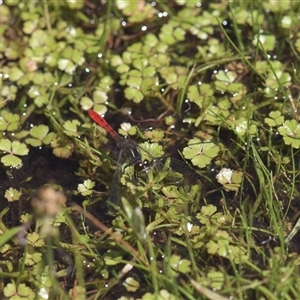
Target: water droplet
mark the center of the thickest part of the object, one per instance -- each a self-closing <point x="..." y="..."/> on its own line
<point x="162" y="14"/>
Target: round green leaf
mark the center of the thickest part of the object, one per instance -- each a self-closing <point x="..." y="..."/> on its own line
<point x="15" y="74"/>
<point x="134" y="94"/>
<point x="33" y="142"/>
<point x="86" y="188"/>
<point x="19" y="148"/>
<point x="200" y="153"/>
<point x="71" y="127"/>
<point x="12" y="194"/>
<point x="131" y="284"/>
<point x="10" y="290"/>
<point x="8" y="120"/>
<point x="86" y="103"/>
<point x="39" y="131"/>
<point x="66" y="65"/>
<point x="11" y="160"/>
<point x="290" y="130"/>
<point x="5" y="145"/>
<point x="99" y="96"/>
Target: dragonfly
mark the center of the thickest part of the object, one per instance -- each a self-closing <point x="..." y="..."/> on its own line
<point x="130" y="153"/>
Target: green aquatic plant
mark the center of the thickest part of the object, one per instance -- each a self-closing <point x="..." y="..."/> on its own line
<point x="86" y="188"/>
<point x="290" y="130"/>
<point x="230" y="179"/>
<point x="18" y="291"/>
<point x="215" y="84"/>
<point x="12" y="194"/>
<point x="14" y="149"/>
<point x="39" y="135"/>
<point x="9" y="121"/>
<point x="200" y="153"/>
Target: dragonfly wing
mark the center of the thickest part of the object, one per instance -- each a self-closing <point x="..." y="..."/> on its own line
<point x="114" y="194"/>
<point x="188" y="173"/>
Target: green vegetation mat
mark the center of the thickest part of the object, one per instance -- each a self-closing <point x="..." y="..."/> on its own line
<point x="197" y="194"/>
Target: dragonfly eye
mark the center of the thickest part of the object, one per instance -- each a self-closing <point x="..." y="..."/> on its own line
<point x="142" y="165"/>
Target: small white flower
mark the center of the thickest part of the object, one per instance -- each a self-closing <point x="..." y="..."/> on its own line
<point x="224" y="176"/>
<point x="126" y="126"/>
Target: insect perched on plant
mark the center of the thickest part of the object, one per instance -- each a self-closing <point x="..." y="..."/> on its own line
<point x="131" y="154"/>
